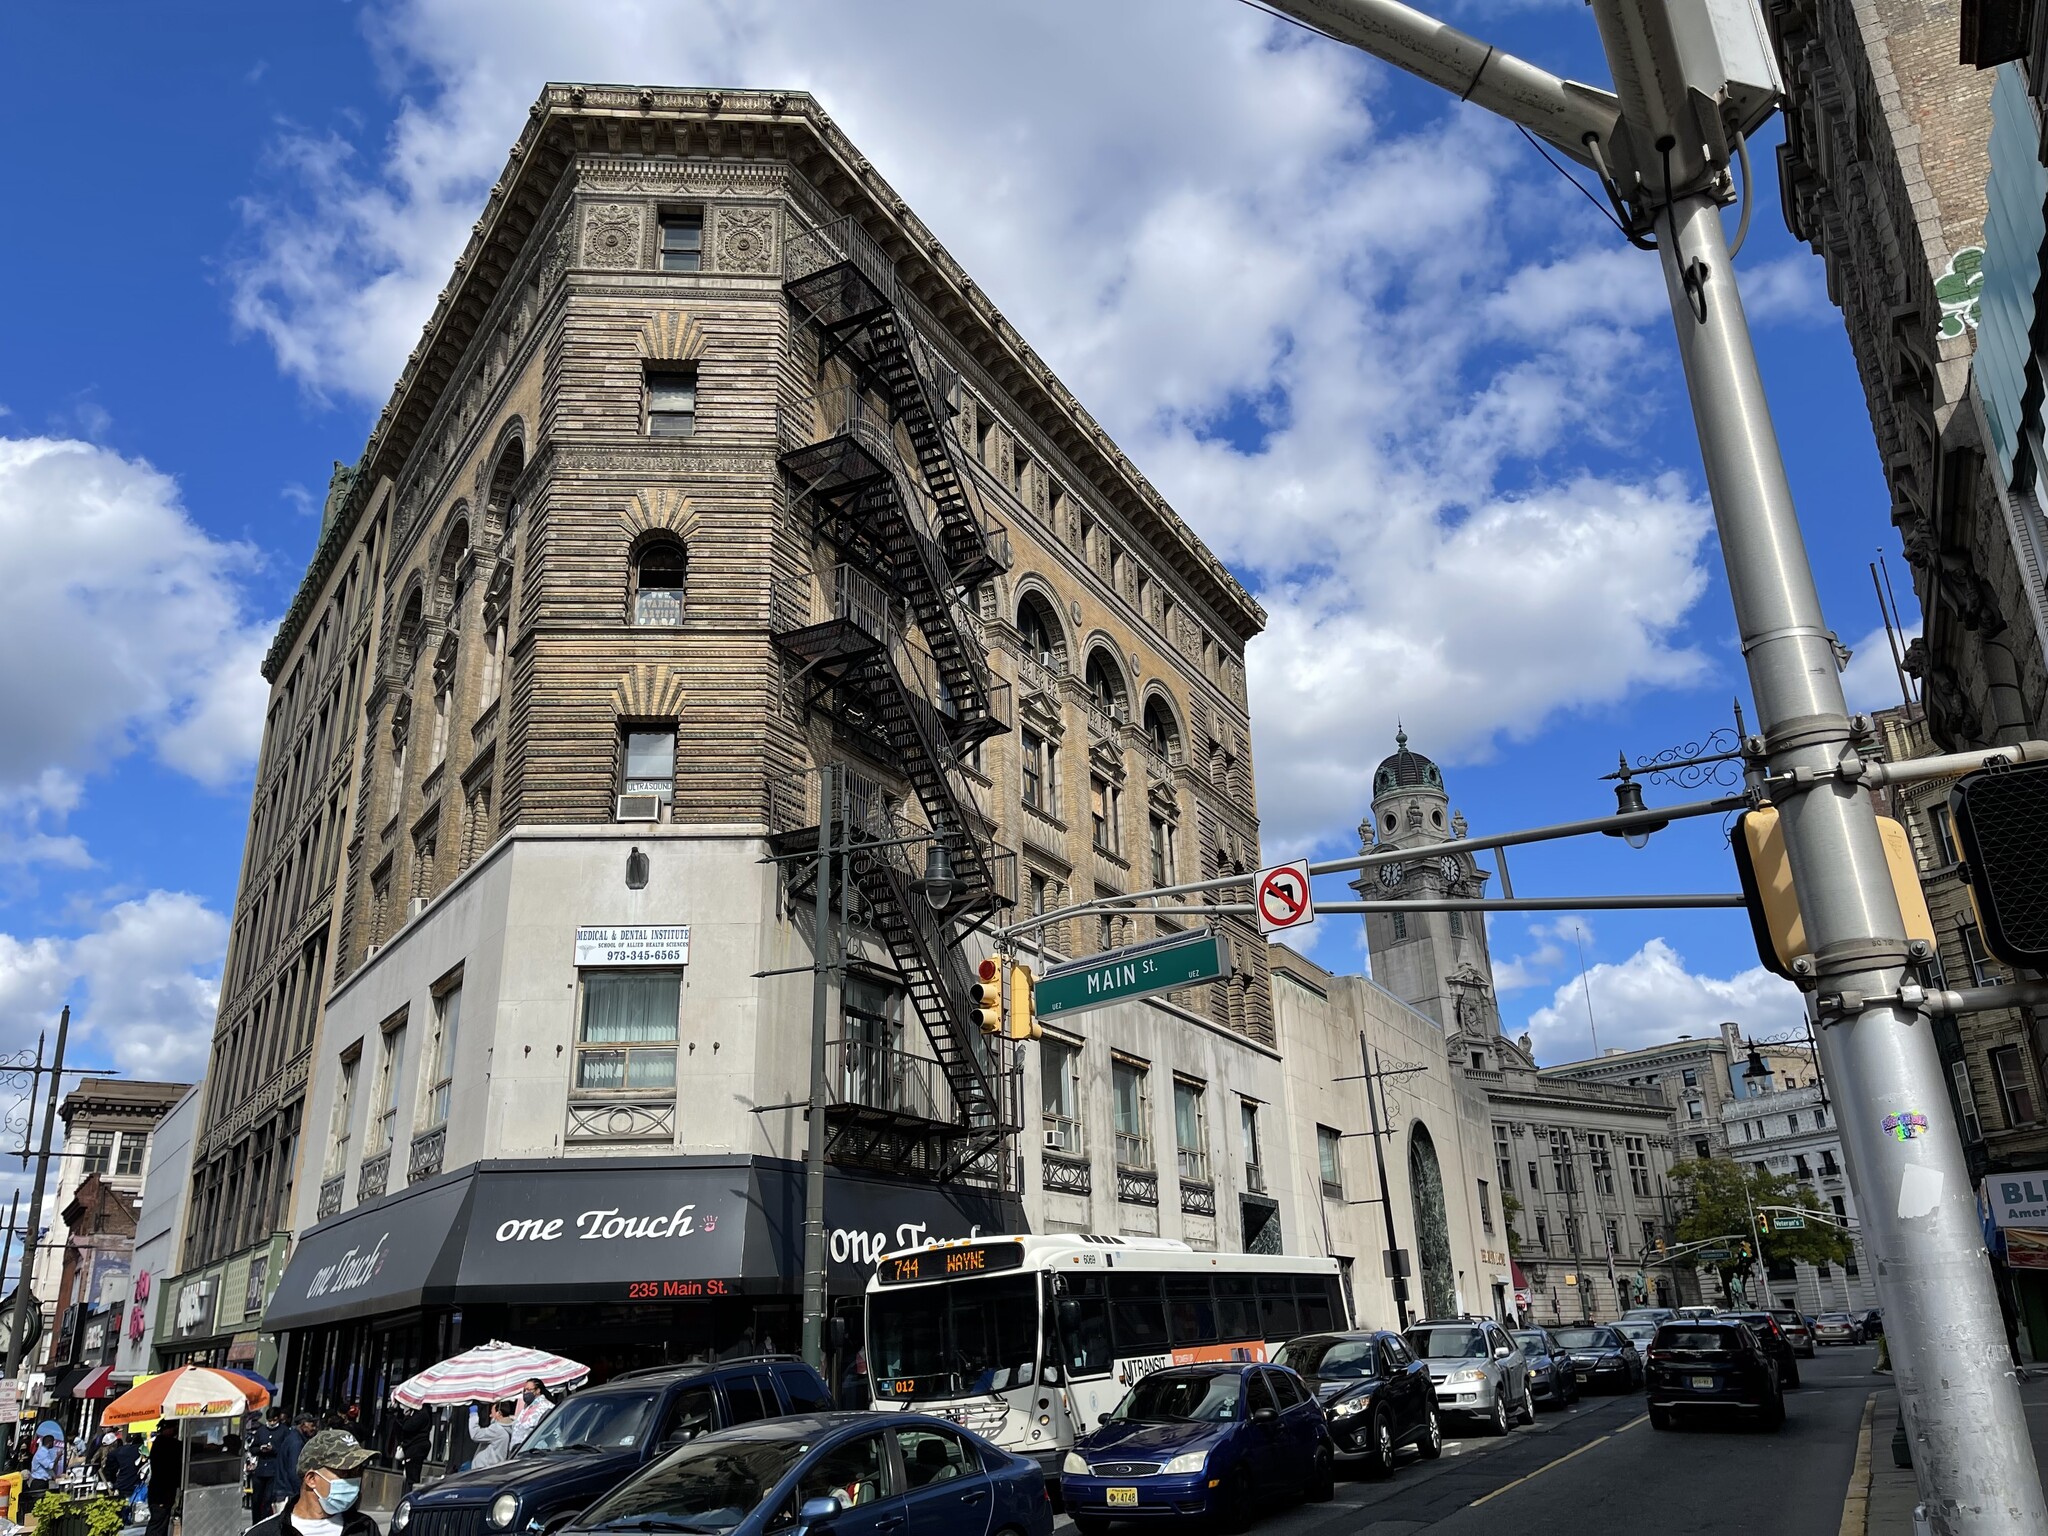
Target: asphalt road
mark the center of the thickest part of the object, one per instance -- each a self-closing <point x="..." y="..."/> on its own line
<point x="1599" y="1467"/>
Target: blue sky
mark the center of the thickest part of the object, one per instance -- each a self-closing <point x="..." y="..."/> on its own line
<point x="1406" y="381"/>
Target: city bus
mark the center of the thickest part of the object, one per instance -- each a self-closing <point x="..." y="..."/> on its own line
<point x="1027" y="1340"/>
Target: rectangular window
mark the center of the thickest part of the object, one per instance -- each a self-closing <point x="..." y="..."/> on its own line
<point x="1694" y="1110"/>
<point x="1128" y="1089"/>
<point x="1485" y="1208"/>
<point x="1543" y="1231"/>
<point x="1571" y="1234"/>
<point x="1613" y="1236"/>
<point x="1059" y="1078"/>
<point x="1254" y="1160"/>
<point x="1801" y="1167"/>
<point x="1649" y="1236"/>
<point x="134" y="1150"/>
<point x="1400" y="925"/>
<point x="385" y="1105"/>
<point x="1981" y="973"/>
<point x="1032" y="754"/>
<point x="1102" y="816"/>
<point x="626" y="1037"/>
<point x="672" y="404"/>
<point x="1602" y="1158"/>
<point x="1503" y="1159"/>
<point x="1792" y="1124"/>
<point x="441" y="1054"/>
<point x="99" y="1152"/>
<point x="1457" y="925"/>
<point x="2015" y="1093"/>
<point x="1691" y="1077"/>
<point x="682" y="241"/>
<point x="650" y="764"/>
<point x="1966" y="1102"/>
<point x="1190" y="1130"/>
<point x="1534" y="1182"/>
<point x="1161" y="842"/>
<point x="1330" y="1160"/>
<point x="342" y="1121"/>
<point x="1941" y="831"/>
<point x="1829" y="1168"/>
<point x="1638" y="1166"/>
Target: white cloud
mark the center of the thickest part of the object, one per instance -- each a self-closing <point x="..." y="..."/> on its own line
<point x="123" y="623"/>
<point x="1185" y="208"/>
<point x="1789" y="290"/>
<point x="1651" y="997"/>
<point x="143" y="985"/>
<point x="1871" y="680"/>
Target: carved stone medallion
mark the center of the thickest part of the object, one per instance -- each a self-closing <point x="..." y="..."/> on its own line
<point x="611" y="235"/>
<point x="746" y="240"/>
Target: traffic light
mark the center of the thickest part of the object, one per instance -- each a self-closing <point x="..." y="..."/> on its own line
<point x="1743" y="1248"/>
<point x="988" y="996"/>
<point x="2001" y="819"/>
<point x="1763" y="1221"/>
<point x="1774" y="918"/>
<point x="1024" y="1023"/>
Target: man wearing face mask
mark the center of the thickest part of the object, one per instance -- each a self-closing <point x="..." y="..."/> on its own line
<point x="328" y="1491"/>
<point x="534" y="1405"/>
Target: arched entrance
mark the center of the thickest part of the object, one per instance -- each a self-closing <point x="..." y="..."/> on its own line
<point x="1432" y="1229"/>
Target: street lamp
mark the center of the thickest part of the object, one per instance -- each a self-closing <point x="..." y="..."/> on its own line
<point x="1628" y="800"/>
<point x="939" y="882"/>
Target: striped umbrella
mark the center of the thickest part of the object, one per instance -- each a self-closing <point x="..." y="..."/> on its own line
<point x="189" y="1392"/>
<point x="487" y="1374"/>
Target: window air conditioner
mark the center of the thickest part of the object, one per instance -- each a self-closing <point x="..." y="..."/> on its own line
<point x="1055" y="1142"/>
<point x="415" y="907"/>
<point x="639" y="808"/>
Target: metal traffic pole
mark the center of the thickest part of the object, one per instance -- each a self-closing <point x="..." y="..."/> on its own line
<point x="1691" y="77"/>
<point x="1379" y="1157"/>
<point x="35" y="1201"/>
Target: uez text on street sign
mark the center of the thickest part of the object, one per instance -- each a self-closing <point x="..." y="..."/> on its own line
<point x="1283" y="897"/>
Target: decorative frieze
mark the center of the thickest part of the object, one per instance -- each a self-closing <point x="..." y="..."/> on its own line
<point x="613" y="235"/>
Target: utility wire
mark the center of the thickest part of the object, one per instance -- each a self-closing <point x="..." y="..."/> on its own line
<point x="1292" y="21"/>
<point x="1599" y="207"/>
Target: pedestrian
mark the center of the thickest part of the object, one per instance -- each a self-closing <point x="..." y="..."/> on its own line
<point x="494" y="1439"/>
<point x="326" y="1501"/>
<point x="263" y="1452"/>
<point x="413" y="1434"/>
<point x="534" y="1405"/>
<point x="166" y="1478"/>
<point x="43" y="1468"/>
<point x="124" y="1465"/>
<point x="288" y="1445"/>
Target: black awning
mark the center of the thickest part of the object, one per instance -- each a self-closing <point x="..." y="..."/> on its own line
<point x="383" y="1257"/>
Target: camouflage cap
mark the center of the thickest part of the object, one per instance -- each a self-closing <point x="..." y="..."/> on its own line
<point x="332" y="1450"/>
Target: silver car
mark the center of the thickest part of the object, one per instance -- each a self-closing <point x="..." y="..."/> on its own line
<point x="1477" y="1369"/>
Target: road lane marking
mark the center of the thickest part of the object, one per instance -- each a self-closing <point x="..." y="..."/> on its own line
<point x="1856" y="1501"/>
<point x="1567" y="1456"/>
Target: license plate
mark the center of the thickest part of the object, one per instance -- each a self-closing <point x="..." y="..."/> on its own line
<point x="1703" y="1383"/>
<point x="1123" y="1498"/>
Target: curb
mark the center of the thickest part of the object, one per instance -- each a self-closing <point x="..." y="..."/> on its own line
<point x="1856" y="1501"/>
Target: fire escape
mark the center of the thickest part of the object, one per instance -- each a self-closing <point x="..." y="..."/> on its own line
<point x="910" y="548"/>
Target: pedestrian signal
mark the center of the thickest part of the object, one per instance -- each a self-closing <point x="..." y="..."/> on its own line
<point x="988" y="996"/>
<point x="2001" y="819"/>
<point x="1024" y="1023"/>
<point x="1775" y="920"/>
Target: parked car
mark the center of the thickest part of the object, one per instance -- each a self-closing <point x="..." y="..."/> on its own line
<point x="1712" y="1365"/>
<point x="1798" y="1330"/>
<point x="1639" y="1332"/>
<point x="1649" y="1314"/>
<point x="1837" y="1328"/>
<point x="1551" y="1372"/>
<point x="1477" y="1370"/>
<point x="1774" y="1342"/>
<point x="595" y="1440"/>
<point x="1376" y="1395"/>
<point x="854" y="1474"/>
<point x="1213" y="1441"/>
<point x="1873" y="1323"/>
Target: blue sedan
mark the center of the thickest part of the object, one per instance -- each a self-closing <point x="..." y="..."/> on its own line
<point x="852" y="1474"/>
<point x="1202" y="1442"/>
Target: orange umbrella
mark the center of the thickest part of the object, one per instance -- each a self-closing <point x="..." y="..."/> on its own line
<point x="189" y="1392"/>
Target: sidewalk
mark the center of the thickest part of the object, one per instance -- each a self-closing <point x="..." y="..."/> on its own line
<point x="1893" y="1491"/>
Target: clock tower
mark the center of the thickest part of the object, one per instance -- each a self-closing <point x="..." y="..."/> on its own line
<point x="1436" y="962"/>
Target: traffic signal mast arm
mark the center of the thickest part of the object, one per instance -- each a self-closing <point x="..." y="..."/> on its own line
<point x="1684" y="1250"/>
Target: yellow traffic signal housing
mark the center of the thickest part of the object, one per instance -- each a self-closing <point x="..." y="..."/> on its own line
<point x="1774" y="917"/>
<point x="987" y="993"/>
<point x="1024" y="1023"/>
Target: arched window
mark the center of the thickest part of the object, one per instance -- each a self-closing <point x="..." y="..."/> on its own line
<point x="504" y="475"/>
<point x="658" y="573"/>
<point x="1040" y="630"/>
<point x="1105" y="680"/>
<point x="1162" y="729"/>
<point x="405" y="647"/>
<point x="451" y="575"/>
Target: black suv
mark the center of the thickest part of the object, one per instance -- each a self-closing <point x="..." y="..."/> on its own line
<point x="595" y="1439"/>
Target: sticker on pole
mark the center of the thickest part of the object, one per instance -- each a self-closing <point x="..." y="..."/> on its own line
<point x="1283" y="897"/>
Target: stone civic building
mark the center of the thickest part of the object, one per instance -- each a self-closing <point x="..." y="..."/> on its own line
<point x="1585" y="1163"/>
<point x="712" y="470"/>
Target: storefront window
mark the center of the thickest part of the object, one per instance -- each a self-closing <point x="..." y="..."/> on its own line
<point x="627" y="1036"/>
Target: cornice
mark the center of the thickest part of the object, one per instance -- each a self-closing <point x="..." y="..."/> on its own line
<point x="570" y="122"/>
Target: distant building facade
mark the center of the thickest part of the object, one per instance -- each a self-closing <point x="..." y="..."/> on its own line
<point x="159" y="1216"/>
<point x="1698" y="1079"/>
<point x="1794" y="1131"/>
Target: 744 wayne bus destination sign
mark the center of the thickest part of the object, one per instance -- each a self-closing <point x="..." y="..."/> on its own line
<point x="1116" y="976"/>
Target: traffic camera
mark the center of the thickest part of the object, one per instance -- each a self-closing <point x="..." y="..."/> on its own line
<point x="987" y="993"/>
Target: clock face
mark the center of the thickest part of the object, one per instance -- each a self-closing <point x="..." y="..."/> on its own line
<point x="1447" y="867"/>
<point x="1390" y="875"/>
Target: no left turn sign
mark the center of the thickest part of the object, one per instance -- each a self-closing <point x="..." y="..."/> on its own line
<point x="1283" y="897"/>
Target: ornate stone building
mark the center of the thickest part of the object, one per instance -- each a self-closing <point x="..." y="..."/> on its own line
<point x="1584" y="1163"/>
<point x="713" y="469"/>
<point x="1883" y="171"/>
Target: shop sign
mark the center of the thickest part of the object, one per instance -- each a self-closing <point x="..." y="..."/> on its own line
<point x="10" y="1401"/>
<point x="351" y="1272"/>
<point x="195" y="1306"/>
<point x="1494" y="1257"/>
<point x="633" y="946"/>
<point x="2018" y="1199"/>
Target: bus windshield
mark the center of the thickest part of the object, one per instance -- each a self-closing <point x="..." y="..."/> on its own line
<point x="961" y="1336"/>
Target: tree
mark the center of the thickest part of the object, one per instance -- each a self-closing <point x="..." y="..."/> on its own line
<point x="1510" y="1208"/>
<point x="1721" y="1197"/>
